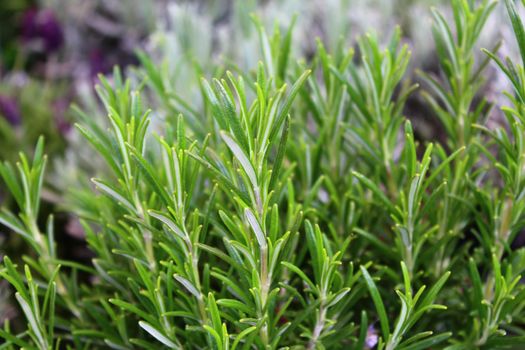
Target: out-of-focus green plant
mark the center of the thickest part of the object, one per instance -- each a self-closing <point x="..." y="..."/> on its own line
<point x="27" y="113"/>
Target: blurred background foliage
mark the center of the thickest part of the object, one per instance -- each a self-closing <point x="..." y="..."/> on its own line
<point x="52" y="50"/>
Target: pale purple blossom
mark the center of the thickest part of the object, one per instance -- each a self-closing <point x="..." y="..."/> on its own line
<point x="10" y="110"/>
<point x="371" y="337"/>
<point x="41" y="30"/>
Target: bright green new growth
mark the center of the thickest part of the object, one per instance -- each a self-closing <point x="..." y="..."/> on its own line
<point x="291" y="208"/>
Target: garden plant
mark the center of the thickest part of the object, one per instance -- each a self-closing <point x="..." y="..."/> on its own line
<point x="290" y="205"/>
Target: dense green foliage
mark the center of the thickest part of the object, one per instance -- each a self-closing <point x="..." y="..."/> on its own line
<point x="290" y="206"/>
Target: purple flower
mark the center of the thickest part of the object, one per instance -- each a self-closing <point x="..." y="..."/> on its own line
<point x="29" y="28"/>
<point x="41" y="27"/>
<point x="371" y="337"/>
<point x="60" y="108"/>
<point x="10" y="110"/>
<point x="98" y="63"/>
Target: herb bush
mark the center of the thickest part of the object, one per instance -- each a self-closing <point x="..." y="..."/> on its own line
<point x="292" y="207"/>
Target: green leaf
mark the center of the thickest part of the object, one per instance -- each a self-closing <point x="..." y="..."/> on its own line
<point x="505" y="342"/>
<point x="34" y="323"/>
<point x="378" y="302"/>
<point x="188" y="285"/>
<point x="363" y="331"/>
<point x="230" y="115"/>
<point x="155" y="333"/>
<point x="112" y="192"/>
<point x="236" y="305"/>
<point x="169" y="223"/>
<point x="14" y="339"/>
<point x="517" y="25"/>
<point x="337" y="297"/>
<point x="240" y="337"/>
<point x="265" y="44"/>
<point x="280" y="154"/>
<point x="241" y="157"/>
<point x="287" y="105"/>
<point x="13" y="184"/>
<point x="427" y="343"/>
<point x="256" y="227"/>
<point x="150" y="176"/>
<point x="375" y="189"/>
<point x="214" y="313"/>
<point x="300" y="273"/>
<point x="433" y="292"/>
<point x="284" y="51"/>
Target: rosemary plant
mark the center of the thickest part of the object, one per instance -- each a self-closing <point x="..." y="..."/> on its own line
<point x="291" y="206"/>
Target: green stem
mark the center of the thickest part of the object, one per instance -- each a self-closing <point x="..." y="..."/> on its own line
<point x="319" y="325"/>
<point x="265" y="287"/>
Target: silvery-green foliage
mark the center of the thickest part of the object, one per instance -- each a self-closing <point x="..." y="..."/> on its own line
<point x="286" y="205"/>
